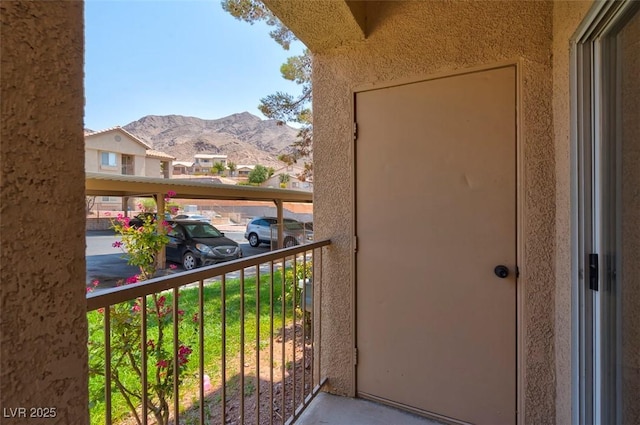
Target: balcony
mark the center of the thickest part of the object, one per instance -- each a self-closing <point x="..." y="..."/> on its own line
<point x="232" y="343"/>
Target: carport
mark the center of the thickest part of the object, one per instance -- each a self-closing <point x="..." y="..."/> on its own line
<point x="101" y="184"/>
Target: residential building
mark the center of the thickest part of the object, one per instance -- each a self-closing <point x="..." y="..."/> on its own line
<point x="116" y="151"/>
<point x="291" y="179"/>
<point x="204" y="162"/>
<point x="483" y="264"/>
<point x="182" y="167"/>
<point x="243" y="170"/>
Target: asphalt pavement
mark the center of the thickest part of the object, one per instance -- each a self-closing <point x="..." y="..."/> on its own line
<point x="108" y="264"/>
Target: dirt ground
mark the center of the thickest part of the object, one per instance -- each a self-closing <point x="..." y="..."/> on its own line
<point x="243" y="410"/>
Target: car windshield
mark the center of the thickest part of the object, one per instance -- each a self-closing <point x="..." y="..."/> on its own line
<point x="201" y="230"/>
<point x="293" y="225"/>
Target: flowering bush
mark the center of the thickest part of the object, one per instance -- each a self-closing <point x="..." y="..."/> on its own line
<point x="126" y="352"/>
<point x="142" y="246"/>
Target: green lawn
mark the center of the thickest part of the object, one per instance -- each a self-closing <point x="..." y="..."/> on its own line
<point x="125" y="337"/>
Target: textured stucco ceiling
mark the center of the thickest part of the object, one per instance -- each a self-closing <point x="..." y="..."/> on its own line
<point x="321" y="25"/>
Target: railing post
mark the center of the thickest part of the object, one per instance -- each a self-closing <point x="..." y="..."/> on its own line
<point x="303" y="390"/>
<point x="280" y="216"/>
<point x="160" y="261"/>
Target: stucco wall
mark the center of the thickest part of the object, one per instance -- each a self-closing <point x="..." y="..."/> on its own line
<point x="42" y="295"/>
<point x="152" y="167"/>
<point x="106" y="142"/>
<point x="410" y="39"/>
<point x="566" y="18"/>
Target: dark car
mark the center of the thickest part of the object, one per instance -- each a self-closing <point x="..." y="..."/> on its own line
<point x="139" y="219"/>
<point x="196" y="243"/>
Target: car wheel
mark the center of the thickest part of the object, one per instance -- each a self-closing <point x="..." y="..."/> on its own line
<point x="189" y="261"/>
<point x="253" y="240"/>
<point x="289" y="242"/>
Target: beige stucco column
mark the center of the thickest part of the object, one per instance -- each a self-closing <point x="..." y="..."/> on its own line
<point x="43" y="325"/>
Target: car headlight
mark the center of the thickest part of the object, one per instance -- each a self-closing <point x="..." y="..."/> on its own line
<point x="204" y="248"/>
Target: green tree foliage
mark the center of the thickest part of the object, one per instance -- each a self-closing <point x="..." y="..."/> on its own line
<point x="283" y="106"/>
<point x="218" y="167"/>
<point x="232" y="167"/>
<point x="259" y="174"/>
<point x="284" y="178"/>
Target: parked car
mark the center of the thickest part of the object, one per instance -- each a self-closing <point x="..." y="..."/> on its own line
<point x="194" y="243"/>
<point x="139" y="219"/>
<point x="191" y="216"/>
<point x="262" y="230"/>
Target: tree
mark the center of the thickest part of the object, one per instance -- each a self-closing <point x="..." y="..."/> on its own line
<point x="218" y="167"/>
<point x="283" y="106"/>
<point x="89" y="203"/>
<point x="232" y="168"/>
<point x="284" y="179"/>
<point x="259" y="174"/>
<point x="142" y="247"/>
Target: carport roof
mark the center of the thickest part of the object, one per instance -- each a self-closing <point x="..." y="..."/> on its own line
<point x="101" y="184"/>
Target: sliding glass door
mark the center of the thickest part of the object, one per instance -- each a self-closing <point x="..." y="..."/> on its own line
<point x="607" y="239"/>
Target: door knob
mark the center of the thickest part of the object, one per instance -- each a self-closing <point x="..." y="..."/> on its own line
<point x="501" y="271"/>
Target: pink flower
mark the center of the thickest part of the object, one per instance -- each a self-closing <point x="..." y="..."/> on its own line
<point x="162" y="300"/>
<point x="132" y="279"/>
<point x="183" y="354"/>
<point x="95" y="283"/>
<point x="135" y="308"/>
<point x="162" y="363"/>
<point x="171" y="194"/>
<point x="173" y="266"/>
<point x="151" y="344"/>
<point x="120" y="216"/>
<point x="89" y="289"/>
<point x="117" y="244"/>
<point x="195" y="318"/>
<point x="101" y="310"/>
<point x="180" y="312"/>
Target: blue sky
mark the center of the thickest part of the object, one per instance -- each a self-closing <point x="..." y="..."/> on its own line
<point x="151" y="57"/>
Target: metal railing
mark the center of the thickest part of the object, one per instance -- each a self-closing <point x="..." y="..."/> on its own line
<point x="233" y="343"/>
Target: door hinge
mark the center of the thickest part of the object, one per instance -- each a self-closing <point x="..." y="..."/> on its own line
<point x="355" y="131"/>
<point x="355" y="244"/>
<point x="593" y="272"/>
<point x="355" y="356"/>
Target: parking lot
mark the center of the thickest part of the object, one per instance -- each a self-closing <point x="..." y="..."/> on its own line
<point x="108" y="265"/>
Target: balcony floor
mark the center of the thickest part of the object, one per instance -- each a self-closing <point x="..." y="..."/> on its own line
<point x="327" y="409"/>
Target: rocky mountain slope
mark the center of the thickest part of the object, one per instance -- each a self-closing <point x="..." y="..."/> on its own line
<point x="243" y="137"/>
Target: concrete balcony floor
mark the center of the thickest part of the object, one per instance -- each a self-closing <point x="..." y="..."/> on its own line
<point x="327" y="409"/>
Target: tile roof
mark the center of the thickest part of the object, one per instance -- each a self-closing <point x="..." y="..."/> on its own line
<point x="159" y="155"/>
<point x="122" y="130"/>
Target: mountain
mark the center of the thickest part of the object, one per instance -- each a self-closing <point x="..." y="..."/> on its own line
<point x="243" y="137"/>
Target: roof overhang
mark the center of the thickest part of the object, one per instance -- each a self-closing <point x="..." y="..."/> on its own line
<point x="322" y="24"/>
<point x="100" y="184"/>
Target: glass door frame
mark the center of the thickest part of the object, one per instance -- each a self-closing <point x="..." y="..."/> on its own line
<point x="595" y="224"/>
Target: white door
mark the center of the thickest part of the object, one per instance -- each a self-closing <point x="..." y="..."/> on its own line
<point x="436" y="214"/>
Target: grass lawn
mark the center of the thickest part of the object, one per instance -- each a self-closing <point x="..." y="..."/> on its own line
<point x="125" y="339"/>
